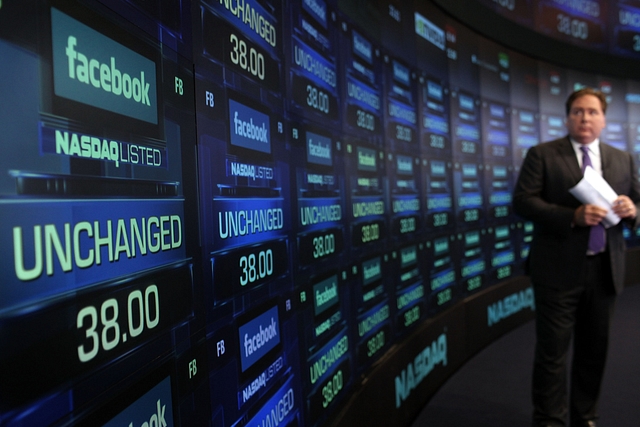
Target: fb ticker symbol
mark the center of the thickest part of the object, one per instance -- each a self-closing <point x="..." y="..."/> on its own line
<point x="193" y="369"/>
<point x="179" y="86"/>
<point x="209" y="101"/>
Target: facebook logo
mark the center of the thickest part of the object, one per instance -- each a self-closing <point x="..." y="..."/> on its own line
<point x="258" y="337"/>
<point x="249" y="128"/>
<point x="152" y="409"/>
<point x="95" y="70"/>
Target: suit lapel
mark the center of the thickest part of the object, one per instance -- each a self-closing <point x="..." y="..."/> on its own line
<point x="568" y="155"/>
<point x="605" y="158"/>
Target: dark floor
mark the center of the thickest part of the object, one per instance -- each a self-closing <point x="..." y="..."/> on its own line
<point x="493" y="388"/>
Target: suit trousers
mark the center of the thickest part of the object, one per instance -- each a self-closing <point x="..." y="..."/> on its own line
<point x="582" y="312"/>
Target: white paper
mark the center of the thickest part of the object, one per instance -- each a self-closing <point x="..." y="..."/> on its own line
<point x="594" y="190"/>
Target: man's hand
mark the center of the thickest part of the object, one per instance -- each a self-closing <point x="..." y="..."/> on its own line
<point x="624" y="207"/>
<point x="588" y="215"/>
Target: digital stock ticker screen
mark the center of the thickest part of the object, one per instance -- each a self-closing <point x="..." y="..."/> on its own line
<point x="232" y="212"/>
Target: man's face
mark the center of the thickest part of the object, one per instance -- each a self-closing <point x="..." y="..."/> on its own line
<point x="586" y="119"/>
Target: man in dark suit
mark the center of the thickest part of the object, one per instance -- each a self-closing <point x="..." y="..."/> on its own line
<point x="576" y="265"/>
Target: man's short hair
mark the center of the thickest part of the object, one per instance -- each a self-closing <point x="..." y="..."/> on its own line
<point x="586" y="91"/>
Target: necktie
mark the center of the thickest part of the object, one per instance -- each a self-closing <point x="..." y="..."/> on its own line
<point x="597" y="234"/>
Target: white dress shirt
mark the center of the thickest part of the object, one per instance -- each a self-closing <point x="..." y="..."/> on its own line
<point x="594" y="154"/>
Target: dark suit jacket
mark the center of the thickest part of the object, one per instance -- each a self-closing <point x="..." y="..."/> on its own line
<point x="558" y="250"/>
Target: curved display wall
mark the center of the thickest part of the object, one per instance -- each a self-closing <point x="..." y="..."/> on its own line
<point x="259" y="212"/>
<point x="604" y="26"/>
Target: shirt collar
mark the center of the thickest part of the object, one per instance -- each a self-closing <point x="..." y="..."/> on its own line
<point x="593" y="146"/>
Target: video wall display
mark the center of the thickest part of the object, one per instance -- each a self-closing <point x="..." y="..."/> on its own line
<point x="605" y="26"/>
<point x="225" y="213"/>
